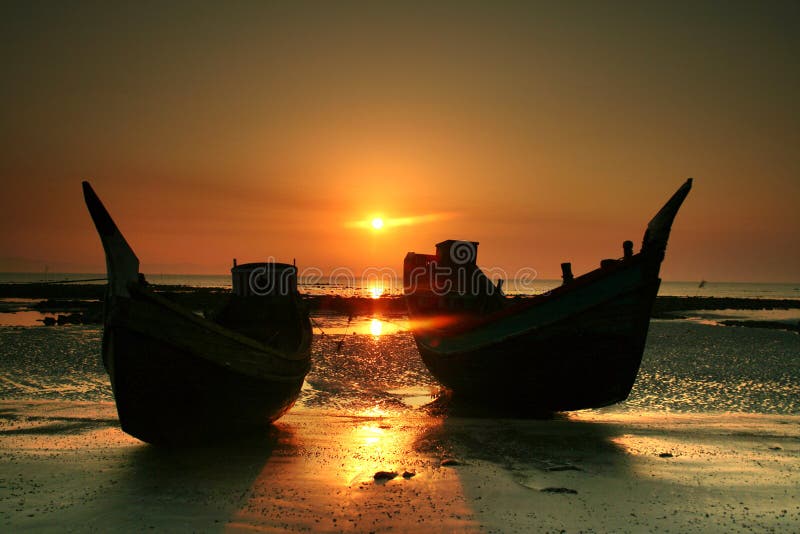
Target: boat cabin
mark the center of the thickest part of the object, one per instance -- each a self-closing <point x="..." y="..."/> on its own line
<point x="264" y="279"/>
<point x="264" y="303"/>
<point x="452" y="253"/>
<point x="450" y="279"/>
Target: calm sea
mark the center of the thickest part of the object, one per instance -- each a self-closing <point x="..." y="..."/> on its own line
<point x="687" y="367"/>
<point x="371" y="362"/>
<point x="393" y="286"/>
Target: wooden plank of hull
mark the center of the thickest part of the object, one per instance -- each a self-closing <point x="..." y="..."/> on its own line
<point x="542" y="312"/>
<point x="167" y="395"/>
<point x="144" y="313"/>
<point x="176" y="380"/>
<point x="585" y="361"/>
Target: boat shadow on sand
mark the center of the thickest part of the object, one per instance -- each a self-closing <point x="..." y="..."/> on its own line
<point x="206" y="483"/>
<point x="545" y="451"/>
<point x="104" y="477"/>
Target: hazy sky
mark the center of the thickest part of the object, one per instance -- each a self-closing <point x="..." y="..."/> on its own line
<point x="549" y="132"/>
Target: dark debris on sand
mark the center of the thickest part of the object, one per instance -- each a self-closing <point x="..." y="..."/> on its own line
<point x="566" y="491"/>
<point x="384" y="475"/>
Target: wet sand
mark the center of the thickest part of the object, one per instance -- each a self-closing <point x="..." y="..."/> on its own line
<point x="67" y="466"/>
<point x="709" y="441"/>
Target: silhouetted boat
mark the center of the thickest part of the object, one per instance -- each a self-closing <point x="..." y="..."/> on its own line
<point x="177" y="376"/>
<point x="577" y="346"/>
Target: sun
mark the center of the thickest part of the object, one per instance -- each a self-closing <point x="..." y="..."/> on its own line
<point x="377" y="223"/>
<point x="375" y="291"/>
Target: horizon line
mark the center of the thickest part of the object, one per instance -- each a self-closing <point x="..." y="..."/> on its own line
<point x="154" y="274"/>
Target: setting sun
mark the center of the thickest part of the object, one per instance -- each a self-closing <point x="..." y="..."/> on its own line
<point x="375" y="291"/>
<point x="377" y="223"/>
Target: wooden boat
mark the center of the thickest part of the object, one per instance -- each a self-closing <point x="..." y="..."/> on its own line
<point x="578" y="346"/>
<point x="178" y="377"/>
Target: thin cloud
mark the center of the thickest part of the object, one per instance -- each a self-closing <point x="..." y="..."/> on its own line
<point x="394" y="222"/>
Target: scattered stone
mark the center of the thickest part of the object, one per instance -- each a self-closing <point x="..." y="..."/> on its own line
<point x="563" y="468"/>
<point x="665" y="455"/>
<point x="384" y="475"/>
<point x="408" y="474"/>
<point x="447" y="462"/>
<point x="559" y="490"/>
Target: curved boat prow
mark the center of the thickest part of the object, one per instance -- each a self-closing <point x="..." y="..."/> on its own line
<point x="657" y="233"/>
<point x="122" y="265"/>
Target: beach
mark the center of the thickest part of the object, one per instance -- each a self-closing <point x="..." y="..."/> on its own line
<point x="708" y="441"/>
<point x="68" y="467"/>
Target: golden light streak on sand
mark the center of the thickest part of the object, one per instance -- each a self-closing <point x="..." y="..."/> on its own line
<point x="328" y="484"/>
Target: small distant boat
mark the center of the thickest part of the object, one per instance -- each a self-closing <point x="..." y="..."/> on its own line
<point x="702" y="284"/>
<point x="178" y="377"/>
<point x="578" y="346"/>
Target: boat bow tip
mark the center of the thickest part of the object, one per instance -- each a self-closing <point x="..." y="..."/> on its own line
<point x="122" y="265"/>
<point x="657" y="233"/>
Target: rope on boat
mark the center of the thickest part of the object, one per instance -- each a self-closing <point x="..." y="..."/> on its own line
<point x="339" y="343"/>
<point x="318" y="327"/>
<point x="344" y="336"/>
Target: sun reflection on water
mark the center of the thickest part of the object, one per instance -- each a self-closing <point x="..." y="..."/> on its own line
<point x="375" y="327"/>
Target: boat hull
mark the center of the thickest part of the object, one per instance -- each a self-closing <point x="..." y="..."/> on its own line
<point x="167" y="395"/>
<point x="177" y="380"/>
<point x="588" y="360"/>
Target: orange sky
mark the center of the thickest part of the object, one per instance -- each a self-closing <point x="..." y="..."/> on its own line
<point x="548" y="133"/>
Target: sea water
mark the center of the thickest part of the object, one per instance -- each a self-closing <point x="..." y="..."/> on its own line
<point x="358" y="369"/>
<point x="371" y="362"/>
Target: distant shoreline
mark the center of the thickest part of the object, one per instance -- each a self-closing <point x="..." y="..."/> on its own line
<point x="664" y="303"/>
<point x="69" y="297"/>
